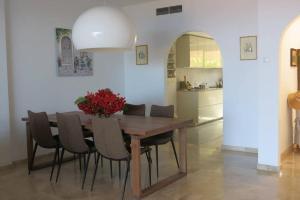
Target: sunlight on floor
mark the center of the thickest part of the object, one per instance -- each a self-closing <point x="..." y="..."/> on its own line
<point x="213" y="174"/>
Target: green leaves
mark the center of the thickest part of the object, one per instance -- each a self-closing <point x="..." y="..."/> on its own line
<point x="80" y="100"/>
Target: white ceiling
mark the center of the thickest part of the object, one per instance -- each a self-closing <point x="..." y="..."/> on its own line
<point x="124" y="2"/>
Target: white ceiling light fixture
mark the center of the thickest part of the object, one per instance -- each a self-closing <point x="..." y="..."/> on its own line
<point x="103" y="28"/>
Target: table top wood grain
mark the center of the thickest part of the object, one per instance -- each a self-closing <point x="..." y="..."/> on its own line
<point x="134" y="125"/>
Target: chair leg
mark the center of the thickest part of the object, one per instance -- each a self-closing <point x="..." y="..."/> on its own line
<point x="95" y="154"/>
<point x="119" y="170"/>
<point x="111" y="172"/>
<point x="101" y="161"/>
<point x="125" y="181"/>
<point x="84" y="164"/>
<point x="33" y="156"/>
<point x="59" y="164"/>
<point x="84" y="161"/>
<point x="74" y="159"/>
<point x="85" y="169"/>
<point x="58" y="156"/>
<point x="54" y="162"/>
<point x="148" y="154"/>
<point x="174" y="149"/>
<point x="95" y="157"/>
<point x="95" y="171"/>
<point x="79" y="157"/>
<point x="156" y="153"/>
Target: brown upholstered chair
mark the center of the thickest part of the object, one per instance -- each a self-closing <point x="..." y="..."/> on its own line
<point x="42" y="135"/>
<point x="135" y="110"/>
<point x="110" y="144"/>
<point x="161" y="111"/>
<point x="132" y="109"/>
<point x="72" y="140"/>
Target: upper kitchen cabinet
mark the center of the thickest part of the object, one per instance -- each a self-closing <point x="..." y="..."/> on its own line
<point x="197" y="51"/>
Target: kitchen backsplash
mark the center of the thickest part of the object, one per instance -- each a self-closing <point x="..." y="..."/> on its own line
<point x="199" y="76"/>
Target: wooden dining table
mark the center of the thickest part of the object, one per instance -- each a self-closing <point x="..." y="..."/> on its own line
<point x="138" y="128"/>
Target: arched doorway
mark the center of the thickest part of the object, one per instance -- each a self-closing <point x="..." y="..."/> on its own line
<point x="195" y="80"/>
<point x="288" y="84"/>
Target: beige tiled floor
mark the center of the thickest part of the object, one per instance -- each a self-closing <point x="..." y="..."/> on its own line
<point x="213" y="175"/>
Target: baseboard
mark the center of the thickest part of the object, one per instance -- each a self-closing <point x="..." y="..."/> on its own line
<point x="286" y="153"/>
<point x="240" y="149"/>
<point x="6" y="167"/>
<point x="268" y="168"/>
<point x="24" y="161"/>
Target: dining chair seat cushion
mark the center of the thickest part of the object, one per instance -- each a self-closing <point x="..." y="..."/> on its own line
<point x="160" y="111"/>
<point x="157" y="139"/>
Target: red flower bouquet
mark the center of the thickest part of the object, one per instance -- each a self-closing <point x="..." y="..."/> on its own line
<point x="103" y="103"/>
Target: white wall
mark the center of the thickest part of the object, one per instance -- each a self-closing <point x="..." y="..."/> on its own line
<point x="251" y="93"/>
<point x="273" y="18"/>
<point x="33" y="81"/>
<point x="146" y="84"/>
<point x="288" y="82"/>
<point x="4" y="105"/>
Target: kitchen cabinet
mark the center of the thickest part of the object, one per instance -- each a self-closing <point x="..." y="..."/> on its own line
<point x="200" y="105"/>
<point x="171" y="66"/>
<point x="193" y="51"/>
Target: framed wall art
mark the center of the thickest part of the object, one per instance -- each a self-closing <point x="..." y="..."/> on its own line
<point x="248" y="48"/>
<point x="141" y="54"/>
<point x="71" y="62"/>
<point x="294" y="57"/>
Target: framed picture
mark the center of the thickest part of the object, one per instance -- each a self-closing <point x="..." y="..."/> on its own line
<point x="294" y="57"/>
<point x="71" y="62"/>
<point x="248" y="48"/>
<point x="142" y="54"/>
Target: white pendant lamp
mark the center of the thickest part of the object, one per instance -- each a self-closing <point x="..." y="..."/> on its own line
<point x="103" y="28"/>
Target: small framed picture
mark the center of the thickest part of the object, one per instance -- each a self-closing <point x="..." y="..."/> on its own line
<point x="294" y="57"/>
<point x="142" y="54"/>
<point x="248" y="48"/>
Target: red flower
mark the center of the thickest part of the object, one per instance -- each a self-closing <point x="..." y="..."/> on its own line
<point x="102" y="102"/>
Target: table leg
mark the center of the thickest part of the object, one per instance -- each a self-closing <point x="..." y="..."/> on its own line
<point x="136" y="168"/>
<point x="182" y="166"/>
<point x="29" y="147"/>
<point x="183" y="150"/>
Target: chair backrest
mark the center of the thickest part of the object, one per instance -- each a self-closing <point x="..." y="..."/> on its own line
<point x="138" y="110"/>
<point x="70" y="133"/>
<point x="162" y="111"/>
<point x="108" y="138"/>
<point x="40" y="129"/>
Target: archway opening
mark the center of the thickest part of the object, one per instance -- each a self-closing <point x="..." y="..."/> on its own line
<point x="195" y="84"/>
<point x="289" y="64"/>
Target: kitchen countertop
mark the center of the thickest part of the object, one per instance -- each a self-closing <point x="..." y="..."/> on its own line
<point x="199" y="90"/>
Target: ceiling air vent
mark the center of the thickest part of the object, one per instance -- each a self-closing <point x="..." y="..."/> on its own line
<point x="169" y="10"/>
<point x="176" y="9"/>
<point x="162" y="11"/>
